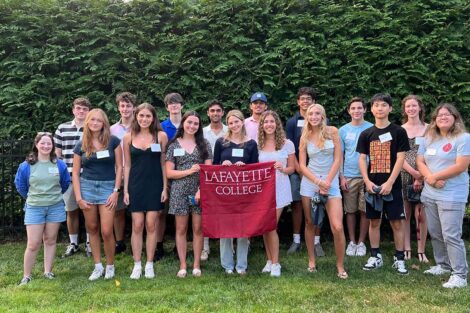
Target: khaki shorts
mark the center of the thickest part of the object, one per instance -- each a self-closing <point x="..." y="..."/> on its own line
<point x="353" y="200"/>
<point x="69" y="200"/>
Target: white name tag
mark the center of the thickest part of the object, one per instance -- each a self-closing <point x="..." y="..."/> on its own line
<point x="155" y="147"/>
<point x="350" y="136"/>
<point x="102" y="154"/>
<point x="178" y="152"/>
<point x="53" y="170"/>
<point x="237" y="153"/>
<point x="419" y="140"/>
<point x="431" y="151"/>
<point x="385" y="137"/>
<point x="300" y="123"/>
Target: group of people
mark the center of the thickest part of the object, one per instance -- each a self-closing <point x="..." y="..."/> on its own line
<point x="152" y="168"/>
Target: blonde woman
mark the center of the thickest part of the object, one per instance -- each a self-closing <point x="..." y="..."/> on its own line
<point x="273" y="146"/>
<point x="96" y="177"/>
<point x="443" y="160"/>
<point x="321" y="145"/>
<point x="235" y="148"/>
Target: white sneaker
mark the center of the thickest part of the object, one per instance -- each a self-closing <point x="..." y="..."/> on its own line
<point x="267" y="267"/>
<point x="276" y="270"/>
<point x="137" y="272"/>
<point x="455" y="282"/>
<point x="399" y="265"/>
<point x="204" y="255"/>
<point x="351" y="249"/>
<point x="361" y="249"/>
<point x="149" y="273"/>
<point x="436" y="270"/>
<point x="96" y="274"/>
<point x="373" y="263"/>
<point x="109" y="272"/>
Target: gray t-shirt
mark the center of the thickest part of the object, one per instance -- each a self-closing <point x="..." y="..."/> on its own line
<point x="100" y="165"/>
<point x="439" y="155"/>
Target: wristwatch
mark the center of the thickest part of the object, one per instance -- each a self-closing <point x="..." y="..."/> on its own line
<point x="116" y="189"/>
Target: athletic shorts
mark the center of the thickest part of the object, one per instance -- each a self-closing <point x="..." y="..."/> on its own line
<point x="353" y="200"/>
<point x="69" y="199"/>
<point x="394" y="210"/>
<point x="295" y="186"/>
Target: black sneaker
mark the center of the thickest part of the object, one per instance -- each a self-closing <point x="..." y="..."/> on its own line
<point x="120" y="247"/>
<point x="71" y="250"/>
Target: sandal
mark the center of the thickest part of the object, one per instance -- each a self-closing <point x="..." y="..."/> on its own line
<point x="422" y="258"/>
<point x="197" y="272"/>
<point x="407" y="255"/>
<point x="181" y="273"/>
<point x="343" y="275"/>
<point x="312" y="269"/>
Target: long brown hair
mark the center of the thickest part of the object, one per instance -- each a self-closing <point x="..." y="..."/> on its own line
<point x="307" y="131"/>
<point x="32" y="157"/>
<point x="433" y="133"/>
<point x="422" y="112"/>
<point x="154" y="128"/>
<point x="279" y="134"/>
<point x="103" y="137"/>
<point x="238" y="114"/>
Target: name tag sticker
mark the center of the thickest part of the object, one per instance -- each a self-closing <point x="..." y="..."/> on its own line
<point x="155" y="147"/>
<point x="385" y="137"/>
<point x="300" y="123"/>
<point x="102" y="154"/>
<point x="178" y="152"/>
<point x="419" y="140"/>
<point x="237" y="153"/>
<point x="53" y="170"/>
<point x="431" y="151"/>
<point x="350" y="136"/>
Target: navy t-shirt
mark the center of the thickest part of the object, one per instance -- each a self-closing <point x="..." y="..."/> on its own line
<point x="224" y="151"/>
<point x="100" y="165"/>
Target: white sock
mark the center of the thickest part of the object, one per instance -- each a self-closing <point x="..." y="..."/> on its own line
<point x="109" y="267"/>
<point x="74" y="239"/>
<point x="296" y="238"/>
<point x="317" y="240"/>
<point x="98" y="266"/>
<point x="87" y="238"/>
<point x="138" y="264"/>
<point x="206" y="243"/>
<point x="148" y="264"/>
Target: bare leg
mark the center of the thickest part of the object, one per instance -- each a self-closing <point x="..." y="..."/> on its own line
<point x="35" y="234"/>
<point x="420" y="217"/>
<point x="297" y="214"/>
<point x="351" y="222"/>
<point x="151" y="227"/>
<point x="50" y="241"/>
<point x="407" y="229"/>
<point x="92" y="226"/>
<point x="374" y="233"/>
<point x="137" y="235"/>
<point x="181" y="241"/>
<point x="309" y="232"/>
<point x="363" y="227"/>
<point x="161" y="226"/>
<point x="198" y="239"/>
<point x="107" y="227"/>
<point x="119" y="224"/>
<point x="398" y="234"/>
<point x="335" y="216"/>
<point x="73" y="219"/>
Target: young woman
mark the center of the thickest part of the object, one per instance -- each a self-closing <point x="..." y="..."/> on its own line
<point x="145" y="184"/>
<point x="41" y="180"/>
<point x="98" y="157"/>
<point x="413" y="118"/>
<point x="185" y="152"/>
<point x="321" y="145"/>
<point x="235" y="148"/>
<point x="443" y="160"/>
<point x="273" y="146"/>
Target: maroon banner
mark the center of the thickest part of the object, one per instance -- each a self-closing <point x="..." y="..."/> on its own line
<point x="238" y="201"/>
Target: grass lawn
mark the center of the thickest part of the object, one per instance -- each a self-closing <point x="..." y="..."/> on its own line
<point x="295" y="291"/>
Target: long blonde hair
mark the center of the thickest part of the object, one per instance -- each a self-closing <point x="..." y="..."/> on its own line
<point x="307" y="130"/>
<point x="238" y="114"/>
<point x="279" y="134"/>
<point x="433" y="133"/>
<point x="103" y="137"/>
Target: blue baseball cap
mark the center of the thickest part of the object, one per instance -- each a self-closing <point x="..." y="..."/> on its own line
<point x="259" y="96"/>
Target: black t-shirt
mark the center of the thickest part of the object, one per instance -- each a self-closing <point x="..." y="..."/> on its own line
<point x="382" y="146"/>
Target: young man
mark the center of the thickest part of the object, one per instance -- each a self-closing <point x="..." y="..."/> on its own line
<point x="258" y="104"/>
<point x="351" y="180"/>
<point x="65" y="138"/>
<point x="213" y="131"/>
<point x="126" y="103"/>
<point x="174" y="105"/>
<point x="306" y="96"/>
<point x="384" y="144"/>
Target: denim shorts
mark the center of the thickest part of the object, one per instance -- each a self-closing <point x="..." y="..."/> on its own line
<point x="37" y="215"/>
<point x="308" y="188"/>
<point x="96" y="191"/>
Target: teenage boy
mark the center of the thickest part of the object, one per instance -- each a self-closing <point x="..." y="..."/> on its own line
<point x="213" y="131"/>
<point x="306" y="96"/>
<point x="174" y="105"/>
<point x="65" y="138"/>
<point x="258" y="104"/>
<point x="384" y="144"/>
<point x="126" y="102"/>
<point x="351" y="180"/>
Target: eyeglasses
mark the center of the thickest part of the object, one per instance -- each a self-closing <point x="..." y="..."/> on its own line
<point x="444" y="115"/>
<point x="44" y="134"/>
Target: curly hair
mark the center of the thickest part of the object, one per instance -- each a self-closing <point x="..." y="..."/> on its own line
<point x="433" y="133"/>
<point x="103" y="137"/>
<point x="307" y="130"/>
<point x="279" y="134"/>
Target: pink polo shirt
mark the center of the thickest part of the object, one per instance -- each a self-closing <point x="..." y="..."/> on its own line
<point x="251" y="126"/>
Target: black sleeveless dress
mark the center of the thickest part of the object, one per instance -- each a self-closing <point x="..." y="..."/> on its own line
<point x="145" y="180"/>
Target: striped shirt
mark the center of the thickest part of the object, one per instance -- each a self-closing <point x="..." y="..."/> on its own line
<point x="65" y="138"/>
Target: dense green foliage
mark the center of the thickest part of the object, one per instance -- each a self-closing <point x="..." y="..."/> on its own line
<point x="52" y="51"/>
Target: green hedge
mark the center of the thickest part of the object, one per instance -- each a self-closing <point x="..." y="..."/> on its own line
<point x="52" y="51"/>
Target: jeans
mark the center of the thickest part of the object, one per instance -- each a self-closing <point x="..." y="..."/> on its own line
<point x="226" y="255"/>
<point x="445" y="221"/>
